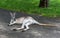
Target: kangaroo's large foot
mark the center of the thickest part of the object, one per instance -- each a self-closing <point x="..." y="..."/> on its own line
<point x="22" y="30"/>
<point x="16" y="29"/>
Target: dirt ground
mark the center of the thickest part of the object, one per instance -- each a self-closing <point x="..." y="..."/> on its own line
<point x="35" y="31"/>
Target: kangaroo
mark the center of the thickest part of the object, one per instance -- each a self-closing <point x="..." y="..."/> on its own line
<point x="25" y="21"/>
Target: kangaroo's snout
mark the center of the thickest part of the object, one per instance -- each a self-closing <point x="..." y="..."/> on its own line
<point x="11" y="24"/>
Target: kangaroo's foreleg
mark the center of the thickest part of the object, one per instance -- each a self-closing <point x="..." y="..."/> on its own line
<point x="22" y="27"/>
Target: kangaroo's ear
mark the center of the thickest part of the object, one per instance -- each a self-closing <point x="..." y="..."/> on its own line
<point x="11" y="14"/>
<point x="14" y="14"/>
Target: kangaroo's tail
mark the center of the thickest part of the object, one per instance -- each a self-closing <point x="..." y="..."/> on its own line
<point x="50" y="25"/>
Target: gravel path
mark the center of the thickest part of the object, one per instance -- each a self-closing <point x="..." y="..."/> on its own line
<point x="34" y="32"/>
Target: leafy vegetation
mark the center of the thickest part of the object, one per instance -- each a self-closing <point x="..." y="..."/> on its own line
<point x="31" y="7"/>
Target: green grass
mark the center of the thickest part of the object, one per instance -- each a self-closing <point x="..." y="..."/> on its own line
<point x="31" y="7"/>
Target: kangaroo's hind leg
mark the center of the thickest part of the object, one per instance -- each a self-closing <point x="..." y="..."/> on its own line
<point x="27" y="26"/>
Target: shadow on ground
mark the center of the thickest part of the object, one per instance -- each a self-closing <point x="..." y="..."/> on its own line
<point x="35" y="31"/>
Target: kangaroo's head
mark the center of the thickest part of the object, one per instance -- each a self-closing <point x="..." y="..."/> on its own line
<point x="12" y="21"/>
